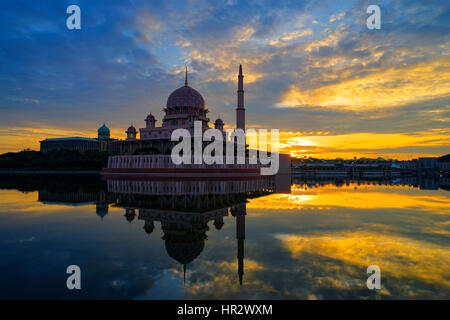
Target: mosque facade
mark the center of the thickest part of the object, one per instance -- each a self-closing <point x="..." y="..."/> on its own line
<point x="184" y="107"/>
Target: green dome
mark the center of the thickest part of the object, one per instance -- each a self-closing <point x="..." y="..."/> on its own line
<point x="103" y="130"/>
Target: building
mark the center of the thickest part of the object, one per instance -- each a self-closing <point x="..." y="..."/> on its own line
<point x="150" y="153"/>
<point x="184" y="106"/>
<point x="103" y="143"/>
<point x="428" y="163"/>
<point x="80" y="144"/>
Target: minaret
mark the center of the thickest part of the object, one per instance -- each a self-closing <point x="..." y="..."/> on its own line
<point x="240" y="110"/>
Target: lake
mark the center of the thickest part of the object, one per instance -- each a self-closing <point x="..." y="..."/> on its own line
<point x="223" y="239"/>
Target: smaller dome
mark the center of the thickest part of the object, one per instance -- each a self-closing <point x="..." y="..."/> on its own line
<point x="218" y="224"/>
<point x="129" y="215"/>
<point x="101" y="209"/>
<point x="131" y="129"/>
<point x="150" y="117"/>
<point x="149" y="226"/>
<point x="218" y="121"/>
<point x="148" y="229"/>
<point x="103" y="129"/>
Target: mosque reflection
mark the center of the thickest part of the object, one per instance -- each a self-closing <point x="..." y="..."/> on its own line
<point x="183" y="208"/>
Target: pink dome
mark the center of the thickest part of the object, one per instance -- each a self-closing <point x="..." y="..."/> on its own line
<point x="186" y="97"/>
<point x="150" y="117"/>
<point x="131" y="129"/>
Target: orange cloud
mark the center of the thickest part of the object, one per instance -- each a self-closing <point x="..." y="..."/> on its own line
<point x="372" y="145"/>
<point x="383" y="89"/>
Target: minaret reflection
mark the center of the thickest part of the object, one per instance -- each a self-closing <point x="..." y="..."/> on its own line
<point x="239" y="212"/>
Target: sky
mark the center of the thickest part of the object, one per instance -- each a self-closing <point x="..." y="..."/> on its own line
<point x="312" y="69"/>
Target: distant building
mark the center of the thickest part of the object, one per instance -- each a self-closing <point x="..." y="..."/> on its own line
<point x="80" y="144"/>
<point x="429" y="163"/>
<point x="103" y="143"/>
<point x="444" y="166"/>
<point x="409" y="165"/>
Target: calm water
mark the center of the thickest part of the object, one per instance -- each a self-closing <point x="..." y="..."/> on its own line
<point x="135" y="239"/>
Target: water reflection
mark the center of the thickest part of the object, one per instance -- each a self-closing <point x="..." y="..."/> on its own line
<point x="183" y="207"/>
<point x="219" y="238"/>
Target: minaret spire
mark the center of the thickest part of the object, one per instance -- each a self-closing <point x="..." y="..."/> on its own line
<point x="186" y="77"/>
<point x="240" y="110"/>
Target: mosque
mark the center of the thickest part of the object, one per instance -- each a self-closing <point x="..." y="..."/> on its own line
<point x="184" y="106"/>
